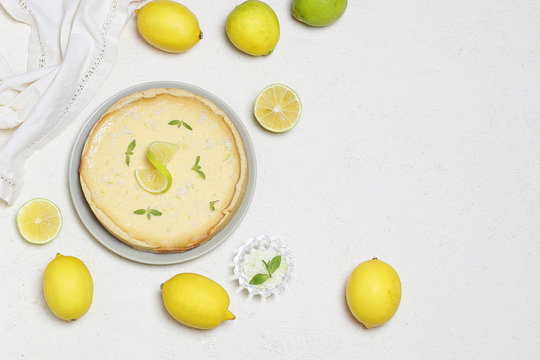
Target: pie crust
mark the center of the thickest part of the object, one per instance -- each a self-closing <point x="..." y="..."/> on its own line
<point x="190" y="214"/>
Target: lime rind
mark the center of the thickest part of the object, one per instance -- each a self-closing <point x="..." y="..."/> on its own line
<point x="161" y="168"/>
<point x="23" y="233"/>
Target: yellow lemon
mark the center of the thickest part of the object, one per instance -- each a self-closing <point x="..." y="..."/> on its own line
<point x="68" y="287"/>
<point x="253" y="27"/>
<point x="373" y="292"/>
<point x="196" y="301"/>
<point x="168" y="25"/>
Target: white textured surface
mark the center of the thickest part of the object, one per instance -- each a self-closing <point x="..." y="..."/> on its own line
<point x="419" y="144"/>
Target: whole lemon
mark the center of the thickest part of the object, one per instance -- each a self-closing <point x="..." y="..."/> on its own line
<point x="68" y="287"/>
<point x="318" y="12"/>
<point x="196" y="301"/>
<point x="168" y="25"/>
<point x="253" y="27"/>
<point x="373" y="292"/>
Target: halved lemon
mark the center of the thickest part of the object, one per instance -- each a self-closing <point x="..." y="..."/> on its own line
<point x="39" y="221"/>
<point x="277" y="108"/>
<point x="163" y="151"/>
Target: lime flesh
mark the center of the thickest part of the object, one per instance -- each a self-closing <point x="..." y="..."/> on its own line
<point x="277" y="108"/>
<point x="39" y="221"/>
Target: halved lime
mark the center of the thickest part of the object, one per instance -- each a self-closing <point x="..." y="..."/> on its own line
<point x="277" y="108"/>
<point x="39" y="221"/>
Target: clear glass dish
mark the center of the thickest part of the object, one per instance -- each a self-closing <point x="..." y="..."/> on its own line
<point x="249" y="261"/>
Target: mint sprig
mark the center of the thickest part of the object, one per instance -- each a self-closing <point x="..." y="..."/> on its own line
<point x="271" y="268"/>
<point x="149" y="212"/>
<point x="180" y="123"/>
<point x="129" y="151"/>
<point x="197" y="167"/>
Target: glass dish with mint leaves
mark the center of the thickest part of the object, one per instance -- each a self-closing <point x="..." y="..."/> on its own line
<point x="263" y="265"/>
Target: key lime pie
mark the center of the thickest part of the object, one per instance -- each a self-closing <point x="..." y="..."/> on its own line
<point x="164" y="170"/>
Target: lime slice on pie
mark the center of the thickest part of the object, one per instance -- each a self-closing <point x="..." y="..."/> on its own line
<point x="163" y="151"/>
<point x="277" y="108"/>
<point x="39" y="221"/>
<point x="158" y="180"/>
<point x="153" y="181"/>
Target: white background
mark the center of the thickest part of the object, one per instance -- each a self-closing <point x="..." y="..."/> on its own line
<point x="419" y="143"/>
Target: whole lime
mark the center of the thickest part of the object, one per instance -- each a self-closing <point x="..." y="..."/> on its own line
<point x="318" y="12"/>
<point x="253" y="27"/>
<point x="168" y="25"/>
<point x="373" y="292"/>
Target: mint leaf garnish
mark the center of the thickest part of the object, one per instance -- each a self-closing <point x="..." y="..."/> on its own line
<point x="149" y="212"/>
<point x="197" y="167"/>
<point x="212" y="205"/>
<point x="129" y="151"/>
<point x="271" y="268"/>
<point x="179" y="124"/>
<point x="258" y="279"/>
<point x="273" y="265"/>
<point x="155" y="212"/>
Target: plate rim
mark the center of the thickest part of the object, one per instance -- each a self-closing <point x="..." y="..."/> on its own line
<point x="118" y="247"/>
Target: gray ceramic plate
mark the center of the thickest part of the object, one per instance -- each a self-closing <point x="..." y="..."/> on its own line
<point x="107" y="239"/>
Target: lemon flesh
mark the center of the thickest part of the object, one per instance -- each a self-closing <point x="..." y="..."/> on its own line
<point x="68" y="287"/>
<point x="39" y="221"/>
<point x="277" y="108"/>
<point x="253" y="28"/>
<point x="196" y="301"/>
<point x="318" y="12"/>
<point x="168" y="25"/>
<point x="373" y="292"/>
<point x="159" y="179"/>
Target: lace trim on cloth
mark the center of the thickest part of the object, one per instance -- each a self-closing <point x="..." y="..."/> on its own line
<point x="7" y="181"/>
<point x="104" y="30"/>
<point x="42" y="56"/>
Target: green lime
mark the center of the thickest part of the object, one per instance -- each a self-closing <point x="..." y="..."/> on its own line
<point x="318" y="12"/>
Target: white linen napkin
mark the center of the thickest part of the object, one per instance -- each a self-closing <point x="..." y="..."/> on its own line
<point x="72" y="49"/>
